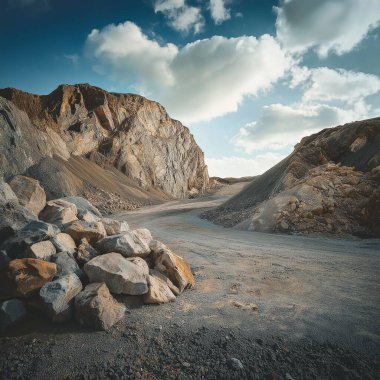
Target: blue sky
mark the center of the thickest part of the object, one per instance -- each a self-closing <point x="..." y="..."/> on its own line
<point x="249" y="78"/>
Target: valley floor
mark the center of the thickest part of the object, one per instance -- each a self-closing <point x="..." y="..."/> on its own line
<point x="287" y="307"/>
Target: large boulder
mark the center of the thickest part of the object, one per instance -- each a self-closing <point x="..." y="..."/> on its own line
<point x="95" y="307"/>
<point x="33" y="232"/>
<point x="23" y="277"/>
<point x="115" y="227"/>
<point x="11" y="311"/>
<point x="129" y="244"/>
<point x="86" y="211"/>
<point x="57" y="297"/>
<point x="66" y="265"/>
<point x="85" y="252"/>
<point x="158" y="292"/>
<point x="59" y="211"/>
<point x="121" y="275"/>
<point x="42" y="250"/>
<point x="80" y="229"/>
<point x="64" y="243"/>
<point x="172" y="266"/>
<point x="29" y="193"/>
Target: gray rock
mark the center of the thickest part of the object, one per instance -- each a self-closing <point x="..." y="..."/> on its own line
<point x="83" y="206"/>
<point x="95" y="307"/>
<point x="129" y="244"/>
<point x="115" y="227"/>
<point x="235" y="364"/>
<point x="64" y="243"/>
<point x="4" y="259"/>
<point x="121" y="275"/>
<point x="66" y="265"/>
<point x="59" y="211"/>
<point x="6" y="193"/>
<point x="29" y="193"/>
<point x="85" y="252"/>
<point x="11" y="311"/>
<point x="42" y="250"/>
<point x="57" y="297"/>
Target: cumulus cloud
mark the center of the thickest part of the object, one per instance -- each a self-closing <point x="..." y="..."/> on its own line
<point x="326" y="25"/>
<point x="281" y="126"/>
<point x="219" y="12"/>
<point x="202" y="80"/>
<point x="180" y="16"/>
<point x="242" y="167"/>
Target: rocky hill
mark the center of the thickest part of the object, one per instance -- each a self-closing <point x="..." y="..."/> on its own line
<point x="82" y="140"/>
<point x="330" y="184"/>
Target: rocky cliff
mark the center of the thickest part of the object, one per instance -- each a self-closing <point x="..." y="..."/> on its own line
<point x="330" y="184"/>
<point x="125" y="132"/>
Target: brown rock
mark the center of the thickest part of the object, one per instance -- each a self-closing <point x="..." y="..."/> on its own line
<point x="86" y="252"/>
<point x="23" y="277"/>
<point x="42" y="250"/>
<point x="59" y="211"/>
<point x="91" y="231"/>
<point x="64" y="243"/>
<point x="158" y="291"/>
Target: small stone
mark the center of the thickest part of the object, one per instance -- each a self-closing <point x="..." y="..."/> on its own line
<point x="235" y="364"/>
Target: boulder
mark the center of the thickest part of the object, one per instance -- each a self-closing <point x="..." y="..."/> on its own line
<point x="66" y="265"/>
<point x="29" y="193"/>
<point x="172" y="266"/>
<point x="42" y="250"/>
<point x="121" y="275"/>
<point x="115" y="227"/>
<point x="6" y="193"/>
<point x="23" y="277"/>
<point x="158" y="292"/>
<point x="91" y="231"/>
<point x="172" y="287"/>
<point x="57" y="297"/>
<point x="59" y="212"/>
<point x="85" y="209"/>
<point x="11" y="311"/>
<point x="95" y="307"/>
<point x="33" y="232"/>
<point x="64" y="243"/>
<point x="129" y="244"/>
<point x="86" y="252"/>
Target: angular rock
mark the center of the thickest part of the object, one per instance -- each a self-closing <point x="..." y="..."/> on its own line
<point x="84" y="207"/>
<point x="86" y="252"/>
<point x="129" y="244"/>
<point x="95" y="307"/>
<point x="57" y="297"/>
<point x="172" y="287"/>
<point x="42" y="250"/>
<point x="66" y="265"/>
<point x="158" y="292"/>
<point x="172" y="266"/>
<point x="64" y="243"/>
<point x="59" y="211"/>
<point x="29" y="193"/>
<point x="23" y="277"/>
<point x="91" y="231"/>
<point x="11" y="311"/>
<point x="6" y="193"/>
<point x="115" y="227"/>
<point x="121" y="275"/>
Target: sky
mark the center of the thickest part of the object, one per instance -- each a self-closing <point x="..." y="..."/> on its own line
<point x="249" y="78"/>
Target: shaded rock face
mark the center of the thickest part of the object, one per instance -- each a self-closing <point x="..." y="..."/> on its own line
<point x="133" y="134"/>
<point x="329" y="184"/>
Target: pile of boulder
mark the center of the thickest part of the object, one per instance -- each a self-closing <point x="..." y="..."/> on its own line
<point x="64" y="259"/>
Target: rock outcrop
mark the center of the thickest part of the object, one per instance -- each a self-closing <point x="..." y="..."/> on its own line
<point x="127" y="132"/>
<point x="330" y="184"/>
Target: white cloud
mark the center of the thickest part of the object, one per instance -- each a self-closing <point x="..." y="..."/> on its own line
<point x="202" y="80"/>
<point x="219" y="12"/>
<point x="180" y="16"/>
<point x="327" y="25"/>
<point x="281" y="126"/>
<point x="242" y="167"/>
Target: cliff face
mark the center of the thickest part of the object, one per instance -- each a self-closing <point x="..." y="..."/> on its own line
<point x="329" y="184"/>
<point x="124" y="131"/>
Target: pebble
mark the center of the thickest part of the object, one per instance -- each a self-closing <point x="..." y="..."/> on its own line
<point x="235" y="364"/>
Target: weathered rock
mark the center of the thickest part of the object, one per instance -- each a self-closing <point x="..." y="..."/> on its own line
<point x="95" y="307"/>
<point x="29" y="193"/>
<point x="42" y="250"/>
<point x="121" y="275"/>
<point x="23" y="277"/>
<point x="11" y="311"/>
<point x="59" y="211"/>
<point x="172" y="287"/>
<point x="158" y="292"/>
<point x="115" y="227"/>
<point x="58" y="297"/>
<point x="85" y="210"/>
<point x="33" y="232"/>
<point x="172" y="266"/>
<point x="6" y="193"/>
<point x="86" y="252"/>
<point x="129" y="244"/>
<point x="66" y="265"/>
<point x="64" y="243"/>
<point x="91" y="231"/>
